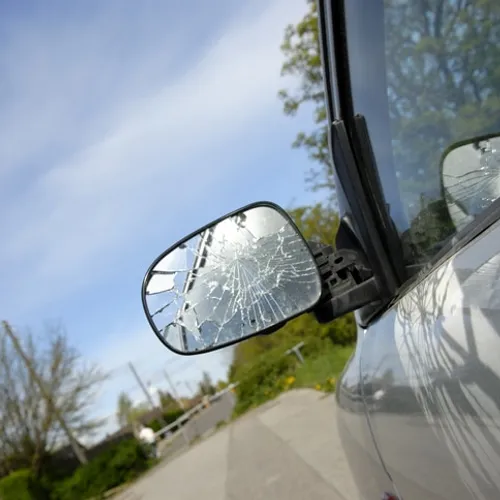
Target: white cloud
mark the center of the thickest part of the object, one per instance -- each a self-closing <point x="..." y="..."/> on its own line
<point x="93" y="146"/>
<point x="82" y="208"/>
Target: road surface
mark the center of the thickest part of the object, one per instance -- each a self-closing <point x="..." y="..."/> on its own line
<point x="287" y="450"/>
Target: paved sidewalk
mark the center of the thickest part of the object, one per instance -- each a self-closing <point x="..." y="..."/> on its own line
<point x="287" y="450"/>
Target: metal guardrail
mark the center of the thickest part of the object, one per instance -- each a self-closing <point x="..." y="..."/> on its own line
<point x="193" y="411"/>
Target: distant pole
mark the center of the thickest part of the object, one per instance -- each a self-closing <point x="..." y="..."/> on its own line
<point x="79" y="453"/>
<point x="141" y="385"/>
<point x="174" y="391"/>
<point x="296" y="350"/>
<point x="179" y="402"/>
<point x="144" y="390"/>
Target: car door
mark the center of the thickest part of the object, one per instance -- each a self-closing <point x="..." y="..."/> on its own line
<point x="434" y="357"/>
<point x="372" y="479"/>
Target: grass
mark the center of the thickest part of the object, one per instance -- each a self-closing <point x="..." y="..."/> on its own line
<point x="268" y="378"/>
<point x="321" y="371"/>
<point x="220" y="423"/>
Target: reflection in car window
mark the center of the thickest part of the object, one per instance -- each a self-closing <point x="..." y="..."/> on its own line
<point x="434" y="82"/>
<point x="470" y="174"/>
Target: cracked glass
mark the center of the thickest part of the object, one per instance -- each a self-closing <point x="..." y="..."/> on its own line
<point x="247" y="273"/>
<point x="471" y="179"/>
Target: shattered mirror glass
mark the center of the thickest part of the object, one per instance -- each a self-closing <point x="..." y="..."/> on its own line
<point x="471" y="178"/>
<point x="245" y="274"/>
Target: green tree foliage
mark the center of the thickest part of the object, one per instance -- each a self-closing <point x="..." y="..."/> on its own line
<point x="168" y="402"/>
<point x="303" y="61"/>
<point x="115" y="466"/>
<point x="129" y="414"/>
<point x="167" y="418"/>
<point x="442" y="64"/>
<point x="318" y="222"/>
<point x="125" y="410"/>
<point x="258" y="377"/>
<point x="221" y="385"/>
<point x="137" y="411"/>
<point x="22" y="485"/>
<point x="443" y="76"/>
<point x="443" y="82"/>
<point x="206" y="387"/>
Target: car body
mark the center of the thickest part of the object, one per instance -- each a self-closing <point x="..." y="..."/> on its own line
<point x="435" y="431"/>
<point x="412" y="97"/>
<point x="432" y="349"/>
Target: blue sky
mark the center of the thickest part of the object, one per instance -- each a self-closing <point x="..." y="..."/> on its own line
<point x="124" y="126"/>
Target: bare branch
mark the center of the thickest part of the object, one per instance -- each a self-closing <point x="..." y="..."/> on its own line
<point x="31" y="429"/>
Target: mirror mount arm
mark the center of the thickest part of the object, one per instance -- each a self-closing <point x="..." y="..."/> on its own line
<point x="348" y="282"/>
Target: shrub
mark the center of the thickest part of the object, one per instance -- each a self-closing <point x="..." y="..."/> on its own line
<point x="173" y="415"/>
<point x="21" y="485"/>
<point x="115" y="466"/>
<point x="156" y="425"/>
<point x="220" y="424"/>
<point x="262" y="380"/>
<point x="168" y="417"/>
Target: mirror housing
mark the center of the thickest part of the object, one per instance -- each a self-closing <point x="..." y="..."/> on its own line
<point x="245" y="274"/>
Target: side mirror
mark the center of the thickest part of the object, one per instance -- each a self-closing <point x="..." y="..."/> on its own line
<point x="244" y="274"/>
<point x="470" y="176"/>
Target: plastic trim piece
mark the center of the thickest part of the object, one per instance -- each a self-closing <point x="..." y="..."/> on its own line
<point x="348" y="282"/>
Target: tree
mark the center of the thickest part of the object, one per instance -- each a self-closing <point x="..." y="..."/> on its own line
<point x="125" y="410"/>
<point x="137" y="411"/>
<point x="442" y="82"/>
<point x="221" y="385"/>
<point x="31" y="430"/>
<point x="442" y="63"/>
<point x="442" y="79"/>
<point x="318" y="222"/>
<point x="168" y="402"/>
<point x="128" y="413"/>
<point x="206" y="387"/>
<point x="303" y="60"/>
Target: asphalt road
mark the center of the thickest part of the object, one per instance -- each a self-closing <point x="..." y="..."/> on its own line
<point x="286" y="450"/>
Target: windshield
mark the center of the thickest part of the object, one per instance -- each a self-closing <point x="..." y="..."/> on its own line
<point x="426" y="75"/>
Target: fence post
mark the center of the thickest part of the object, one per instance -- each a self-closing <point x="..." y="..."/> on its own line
<point x="296" y="350"/>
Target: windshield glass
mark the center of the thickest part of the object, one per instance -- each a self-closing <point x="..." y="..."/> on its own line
<point x="426" y="75"/>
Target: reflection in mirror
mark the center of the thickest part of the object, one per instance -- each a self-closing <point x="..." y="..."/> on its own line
<point x="471" y="178"/>
<point x="240" y="276"/>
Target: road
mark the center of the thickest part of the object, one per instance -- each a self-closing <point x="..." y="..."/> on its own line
<point x="288" y="449"/>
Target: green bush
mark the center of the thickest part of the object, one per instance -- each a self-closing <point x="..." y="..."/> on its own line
<point x="156" y="425"/>
<point x="173" y="415"/>
<point x="262" y="380"/>
<point x="321" y="370"/>
<point x="21" y="485"/>
<point x="115" y="466"/>
<point x="272" y="373"/>
<point x="168" y="417"/>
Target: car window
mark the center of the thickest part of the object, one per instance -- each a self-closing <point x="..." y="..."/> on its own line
<point x="425" y="74"/>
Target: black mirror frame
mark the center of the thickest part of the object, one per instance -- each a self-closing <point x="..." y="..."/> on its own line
<point x="266" y="331"/>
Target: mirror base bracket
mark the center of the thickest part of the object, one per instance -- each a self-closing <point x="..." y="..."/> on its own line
<point x="348" y="282"/>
